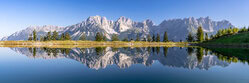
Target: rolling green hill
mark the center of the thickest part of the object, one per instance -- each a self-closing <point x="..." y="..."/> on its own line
<point x="239" y="38"/>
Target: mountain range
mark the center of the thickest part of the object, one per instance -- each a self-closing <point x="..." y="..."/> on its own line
<point x="177" y="29"/>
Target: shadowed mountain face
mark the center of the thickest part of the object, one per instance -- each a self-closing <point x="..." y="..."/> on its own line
<point x="101" y="57"/>
<point x="177" y="28"/>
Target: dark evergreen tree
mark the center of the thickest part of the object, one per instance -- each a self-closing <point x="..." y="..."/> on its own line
<point x="153" y="38"/>
<point x="200" y="34"/>
<point x="67" y="36"/>
<point x="157" y="38"/>
<point x="104" y="38"/>
<point x="165" y="37"/>
<point x="98" y="37"/>
<point x="115" y="37"/>
<point x="48" y="37"/>
<point x="34" y="35"/>
<point x="149" y="39"/>
<point x="62" y="36"/>
<point x="190" y="37"/>
<point x="55" y="35"/>
<point x="137" y="38"/>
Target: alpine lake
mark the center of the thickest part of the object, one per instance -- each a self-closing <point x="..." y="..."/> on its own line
<point x="124" y="65"/>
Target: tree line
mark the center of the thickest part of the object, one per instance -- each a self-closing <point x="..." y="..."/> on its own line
<point x="115" y="37"/>
<point x="51" y="36"/>
<point x="200" y="37"/>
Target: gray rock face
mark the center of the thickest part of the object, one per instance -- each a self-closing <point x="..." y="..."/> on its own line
<point x="177" y="28"/>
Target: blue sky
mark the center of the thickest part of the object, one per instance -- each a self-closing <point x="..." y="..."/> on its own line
<point x="16" y="15"/>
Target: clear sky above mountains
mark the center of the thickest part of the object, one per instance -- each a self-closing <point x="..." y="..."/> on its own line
<point x="18" y="14"/>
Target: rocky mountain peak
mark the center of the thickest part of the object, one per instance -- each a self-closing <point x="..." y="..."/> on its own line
<point x="148" y="22"/>
<point x="123" y="19"/>
<point x="97" y="20"/>
<point x="123" y="24"/>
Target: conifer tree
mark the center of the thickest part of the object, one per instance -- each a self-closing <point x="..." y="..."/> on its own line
<point x="98" y="37"/>
<point x="115" y="37"/>
<point x="157" y="38"/>
<point x="67" y="36"/>
<point x="34" y="35"/>
<point x="104" y="38"/>
<point x="190" y="37"/>
<point x="149" y="39"/>
<point x="62" y="36"/>
<point x="153" y="38"/>
<point x="48" y="37"/>
<point x="138" y="38"/>
<point x="55" y="35"/>
<point x="200" y="34"/>
<point x="165" y="37"/>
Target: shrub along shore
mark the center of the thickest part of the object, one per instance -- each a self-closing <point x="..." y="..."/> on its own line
<point x="81" y="44"/>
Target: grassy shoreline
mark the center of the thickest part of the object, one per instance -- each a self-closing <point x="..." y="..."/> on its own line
<point x="82" y="44"/>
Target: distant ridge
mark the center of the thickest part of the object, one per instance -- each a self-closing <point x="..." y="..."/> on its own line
<point x="177" y="28"/>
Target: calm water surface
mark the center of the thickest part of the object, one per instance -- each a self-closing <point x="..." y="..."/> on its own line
<point x="120" y="65"/>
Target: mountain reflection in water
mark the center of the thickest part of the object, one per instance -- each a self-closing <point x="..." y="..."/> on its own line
<point x="101" y="57"/>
